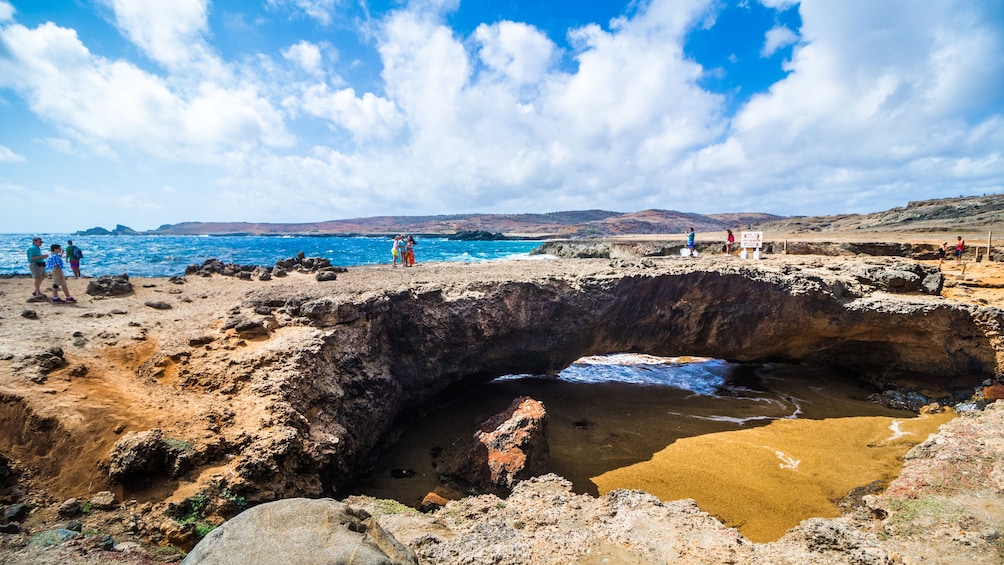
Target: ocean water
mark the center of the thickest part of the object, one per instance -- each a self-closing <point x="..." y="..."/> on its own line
<point x="698" y="375"/>
<point x="160" y="256"/>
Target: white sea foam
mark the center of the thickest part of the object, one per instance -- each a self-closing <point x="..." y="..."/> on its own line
<point x="728" y="419"/>
<point x="896" y="432"/>
<point x="787" y="461"/>
<point x="696" y="374"/>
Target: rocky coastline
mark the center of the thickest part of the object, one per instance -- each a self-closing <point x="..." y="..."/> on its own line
<point x="188" y="400"/>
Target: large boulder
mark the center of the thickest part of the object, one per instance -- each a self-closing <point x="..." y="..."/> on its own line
<point x="137" y="453"/>
<point x="118" y="285"/>
<point x="302" y="531"/>
<point x="508" y="447"/>
<point x="902" y="277"/>
<point x="50" y="360"/>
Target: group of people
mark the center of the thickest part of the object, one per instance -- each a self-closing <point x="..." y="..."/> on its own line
<point x="730" y="240"/>
<point x="403" y="249"/>
<point x="960" y="247"/>
<point x="38" y="262"/>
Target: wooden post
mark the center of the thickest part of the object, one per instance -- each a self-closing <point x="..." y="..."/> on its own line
<point x="989" y="236"/>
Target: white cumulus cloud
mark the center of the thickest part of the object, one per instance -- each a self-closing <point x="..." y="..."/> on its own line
<point x="881" y="103"/>
<point x="777" y="37"/>
<point x="881" y="97"/>
<point x="114" y="101"/>
<point x="516" y="51"/>
<point x="6" y="11"/>
<point x="171" y="33"/>
<point x="8" y="156"/>
<point x="320" y="10"/>
<point x="307" y="56"/>
<point x="367" y="117"/>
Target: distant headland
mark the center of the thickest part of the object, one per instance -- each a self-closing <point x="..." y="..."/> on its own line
<point x="972" y="213"/>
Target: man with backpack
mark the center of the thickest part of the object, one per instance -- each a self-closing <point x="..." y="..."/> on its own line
<point x="74" y="255"/>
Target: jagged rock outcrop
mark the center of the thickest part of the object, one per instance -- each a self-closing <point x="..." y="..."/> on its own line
<point x="319" y="265"/>
<point x="119" y="230"/>
<point x="508" y="447"/>
<point x="544" y="522"/>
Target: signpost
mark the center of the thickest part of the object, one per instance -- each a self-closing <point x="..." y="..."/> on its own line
<point x="751" y="240"/>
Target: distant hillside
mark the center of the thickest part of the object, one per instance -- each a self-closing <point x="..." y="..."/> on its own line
<point x="971" y="213"/>
<point x="558" y="224"/>
<point x="975" y="213"/>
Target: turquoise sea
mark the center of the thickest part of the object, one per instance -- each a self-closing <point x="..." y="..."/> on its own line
<point x="159" y="256"/>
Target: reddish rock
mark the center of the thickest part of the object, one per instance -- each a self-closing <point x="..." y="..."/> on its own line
<point x="506" y="448"/>
<point x="516" y="440"/>
<point x="432" y="501"/>
<point x="994" y="391"/>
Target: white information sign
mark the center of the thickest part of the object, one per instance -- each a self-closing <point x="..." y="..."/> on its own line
<point x="751" y="240"/>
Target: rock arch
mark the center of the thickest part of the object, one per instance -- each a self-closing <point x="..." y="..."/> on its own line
<point x="376" y="358"/>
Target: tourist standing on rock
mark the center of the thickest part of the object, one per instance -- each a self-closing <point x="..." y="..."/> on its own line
<point x="55" y="264"/>
<point x="409" y="252"/>
<point x="395" y="250"/>
<point x="74" y="255"/>
<point x="942" y="252"/>
<point x="729" y="241"/>
<point x="36" y="264"/>
<point x="960" y="246"/>
<point x="690" y="241"/>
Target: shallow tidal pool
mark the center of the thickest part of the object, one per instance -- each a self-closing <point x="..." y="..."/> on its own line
<point x="761" y="447"/>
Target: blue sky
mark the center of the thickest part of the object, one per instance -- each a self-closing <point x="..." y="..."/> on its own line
<point x="144" y="112"/>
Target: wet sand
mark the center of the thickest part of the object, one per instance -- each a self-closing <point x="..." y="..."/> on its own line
<point x="766" y="480"/>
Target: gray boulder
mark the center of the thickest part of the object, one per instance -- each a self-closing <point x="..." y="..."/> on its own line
<point x="104" y="500"/>
<point x="135" y="454"/>
<point x="933" y="283"/>
<point x="50" y="360"/>
<point x="16" y="512"/>
<point x="118" y="285"/>
<point x="302" y="531"/>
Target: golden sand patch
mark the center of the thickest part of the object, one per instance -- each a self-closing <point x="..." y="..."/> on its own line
<point x="766" y="480"/>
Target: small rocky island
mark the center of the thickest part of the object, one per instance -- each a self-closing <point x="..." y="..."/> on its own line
<point x="140" y="419"/>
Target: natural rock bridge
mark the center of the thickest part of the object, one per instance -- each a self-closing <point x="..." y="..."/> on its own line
<point x="377" y="357"/>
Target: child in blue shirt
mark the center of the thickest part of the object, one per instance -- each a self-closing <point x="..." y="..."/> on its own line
<point x="55" y="265"/>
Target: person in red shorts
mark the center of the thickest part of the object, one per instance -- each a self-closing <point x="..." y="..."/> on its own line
<point x="74" y="255"/>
